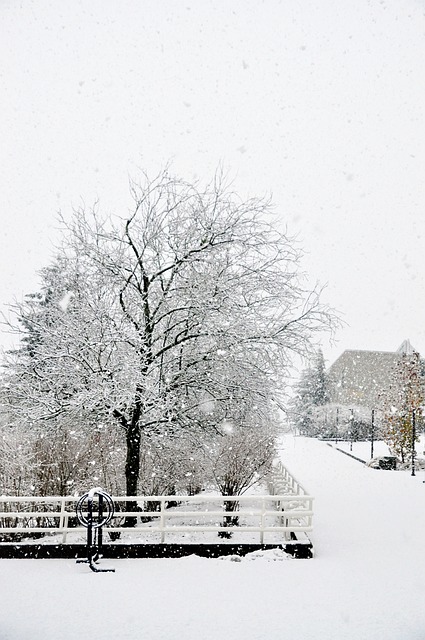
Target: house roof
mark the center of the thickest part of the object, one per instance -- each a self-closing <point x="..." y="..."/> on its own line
<point x="360" y="377"/>
<point x="406" y="348"/>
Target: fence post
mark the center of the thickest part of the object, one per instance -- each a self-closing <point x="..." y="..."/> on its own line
<point x="263" y="508"/>
<point x="287" y="534"/>
<point x="63" y="520"/>
<point x="162" y="520"/>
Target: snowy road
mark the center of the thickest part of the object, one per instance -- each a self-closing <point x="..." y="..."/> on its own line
<point x="366" y="581"/>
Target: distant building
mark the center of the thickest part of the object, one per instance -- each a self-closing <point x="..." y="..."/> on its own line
<point x="360" y="377"/>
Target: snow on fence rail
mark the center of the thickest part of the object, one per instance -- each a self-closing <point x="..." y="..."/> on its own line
<point x="283" y="515"/>
<point x="282" y="481"/>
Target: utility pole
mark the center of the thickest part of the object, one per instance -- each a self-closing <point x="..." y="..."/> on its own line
<point x="413" y="441"/>
<point x="337" y="425"/>
<point x="372" y="433"/>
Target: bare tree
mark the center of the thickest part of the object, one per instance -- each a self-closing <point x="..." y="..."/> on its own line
<point x="240" y="459"/>
<point x="195" y="299"/>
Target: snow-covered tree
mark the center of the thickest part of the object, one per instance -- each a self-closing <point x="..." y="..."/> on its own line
<point x="239" y="459"/>
<point x="342" y="421"/>
<point x="402" y="403"/>
<point x="163" y="320"/>
<point x="310" y="394"/>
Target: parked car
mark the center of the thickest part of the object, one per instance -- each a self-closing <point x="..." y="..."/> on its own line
<point x="389" y="463"/>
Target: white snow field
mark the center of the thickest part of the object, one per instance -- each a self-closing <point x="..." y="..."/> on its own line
<point x="366" y="581"/>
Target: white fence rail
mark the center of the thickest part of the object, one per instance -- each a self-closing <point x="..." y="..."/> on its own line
<point x="282" y="481"/>
<point x="275" y="518"/>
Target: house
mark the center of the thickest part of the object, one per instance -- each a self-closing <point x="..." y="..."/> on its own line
<point x="360" y="377"/>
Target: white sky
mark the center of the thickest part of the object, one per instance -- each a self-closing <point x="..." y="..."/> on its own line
<point x="319" y="102"/>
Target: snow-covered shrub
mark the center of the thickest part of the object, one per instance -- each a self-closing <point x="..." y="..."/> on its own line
<point x="237" y="460"/>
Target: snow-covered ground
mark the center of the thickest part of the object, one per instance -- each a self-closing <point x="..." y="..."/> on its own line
<point x="362" y="449"/>
<point x="367" y="579"/>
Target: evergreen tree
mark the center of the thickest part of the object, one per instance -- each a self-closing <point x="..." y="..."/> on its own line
<point x="310" y="393"/>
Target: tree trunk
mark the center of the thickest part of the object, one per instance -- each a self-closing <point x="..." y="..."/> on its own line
<point x="229" y="521"/>
<point x="132" y="466"/>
